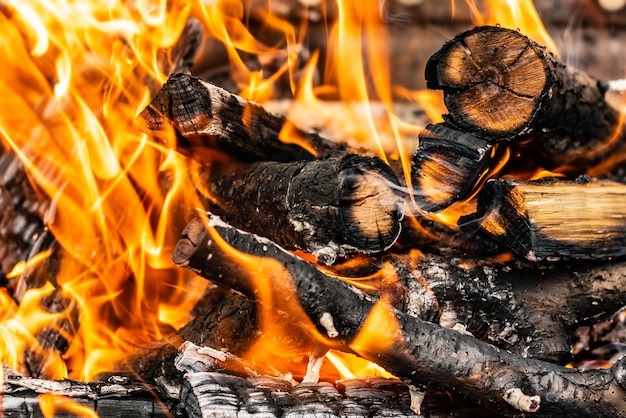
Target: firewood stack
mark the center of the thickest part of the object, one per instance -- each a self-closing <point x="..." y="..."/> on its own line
<point x="445" y="323"/>
<point x="312" y="245"/>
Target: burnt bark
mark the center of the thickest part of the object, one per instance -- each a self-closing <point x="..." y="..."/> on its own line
<point x="330" y="208"/>
<point x="551" y="219"/>
<point x="421" y="353"/>
<point x="501" y="85"/>
<point x="447" y="166"/>
<point x="208" y="119"/>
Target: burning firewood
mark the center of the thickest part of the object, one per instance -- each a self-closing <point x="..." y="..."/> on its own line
<point x="553" y="219"/>
<point x="421" y="353"/>
<point x="500" y="85"/>
<point x="447" y="166"/>
<point x="330" y="208"/>
<point x="208" y="119"/>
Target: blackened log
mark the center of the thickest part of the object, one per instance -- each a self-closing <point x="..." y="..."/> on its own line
<point x="330" y="208"/>
<point x="447" y="166"/>
<point x="207" y="119"/>
<point x="501" y="85"/>
<point x="552" y="219"/>
<point x="118" y="397"/>
<point x="530" y="310"/>
<point x="21" y="221"/>
<point x="419" y="352"/>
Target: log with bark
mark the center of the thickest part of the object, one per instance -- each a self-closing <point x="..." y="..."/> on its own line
<point x="551" y="219"/>
<point x="209" y="120"/>
<point x="447" y="166"/>
<point x="334" y="314"/>
<point x="529" y="310"/>
<point x="330" y="207"/>
<point x="500" y="85"/>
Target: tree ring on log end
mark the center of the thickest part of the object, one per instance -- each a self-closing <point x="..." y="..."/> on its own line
<point x="370" y="203"/>
<point x="493" y="79"/>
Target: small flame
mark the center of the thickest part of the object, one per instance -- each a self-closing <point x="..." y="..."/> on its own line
<point x="53" y="405"/>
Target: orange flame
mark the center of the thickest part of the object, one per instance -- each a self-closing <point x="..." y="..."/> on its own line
<point x="76" y="75"/>
<point x="53" y="405"/>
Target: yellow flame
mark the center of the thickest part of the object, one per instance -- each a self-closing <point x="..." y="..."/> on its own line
<point x="76" y="74"/>
<point x="517" y="15"/>
<point x="53" y="405"/>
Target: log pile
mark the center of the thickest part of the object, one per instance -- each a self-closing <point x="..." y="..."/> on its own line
<point x="470" y="311"/>
<point x="289" y="230"/>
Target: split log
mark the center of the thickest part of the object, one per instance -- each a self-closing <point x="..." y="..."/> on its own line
<point x="330" y="208"/>
<point x="447" y="167"/>
<point x="500" y="85"/>
<point x="552" y="219"/>
<point x="208" y="119"/>
<point x="423" y="354"/>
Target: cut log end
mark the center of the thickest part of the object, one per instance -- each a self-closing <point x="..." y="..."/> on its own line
<point x="181" y="101"/>
<point x="446" y="166"/>
<point x="192" y="236"/>
<point x="493" y="79"/>
<point x="370" y="206"/>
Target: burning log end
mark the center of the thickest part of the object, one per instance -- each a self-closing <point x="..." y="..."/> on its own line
<point x="446" y="166"/>
<point x="493" y="80"/>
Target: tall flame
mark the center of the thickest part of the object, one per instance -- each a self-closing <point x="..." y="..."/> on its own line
<point x="75" y="76"/>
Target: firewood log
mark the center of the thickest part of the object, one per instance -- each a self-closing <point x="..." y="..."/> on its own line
<point x="208" y="119"/>
<point x="500" y="85"/>
<point x="526" y="309"/>
<point x="447" y="166"/>
<point x="330" y="208"/>
<point x="23" y="397"/>
<point x="551" y="219"/>
<point x="421" y="353"/>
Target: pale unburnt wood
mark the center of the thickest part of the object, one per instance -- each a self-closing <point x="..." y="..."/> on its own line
<point x="553" y="219"/>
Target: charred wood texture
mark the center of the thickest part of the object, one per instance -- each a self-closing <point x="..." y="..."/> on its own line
<point x="419" y="352"/>
<point x="330" y="208"/>
<point x="447" y="166"/>
<point x="208" y="119"/>
<point x="500" y="85"/>
<point x="118" y="397"/>
<point x="552" y="219"/>
<point x="22" y="211"/>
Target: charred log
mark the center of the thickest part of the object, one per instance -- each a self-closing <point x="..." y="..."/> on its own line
<point x="421" y="353"/>
<point x="330" y="208"/>
<point x="501" y="85"/>
<point x="447" y="166"/>
<point x="208" y="118"/>
<point x="553" y="219"/>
